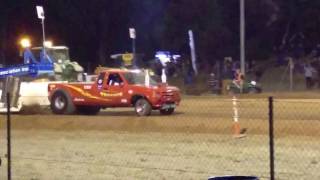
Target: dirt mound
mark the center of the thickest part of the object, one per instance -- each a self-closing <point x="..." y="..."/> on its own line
<point x="35" y="109"/>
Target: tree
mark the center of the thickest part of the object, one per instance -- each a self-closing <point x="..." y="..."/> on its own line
<point x="95" y="29"/>
<point x="7" y="11"/>
<point x="91" y="27"/>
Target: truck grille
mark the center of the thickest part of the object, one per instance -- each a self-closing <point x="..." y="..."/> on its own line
<point x="167" y="96"/>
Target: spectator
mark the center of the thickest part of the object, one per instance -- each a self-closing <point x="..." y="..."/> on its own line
<point x="238" y="78"/>
<point x="316" y="51"/>
<point x="308" y="74"/>
<point x="318" y="74"/>
<point x="227" y="74"/>
<point x="189" y="77"/>
<point x="213" y="83"/>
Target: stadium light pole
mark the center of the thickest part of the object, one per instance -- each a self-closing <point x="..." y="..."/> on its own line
<point x="132" y="34"/>
<point x="40" y="13"/>
<point x="242" y="37"/>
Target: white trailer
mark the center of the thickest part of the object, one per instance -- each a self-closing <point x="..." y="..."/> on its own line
<point x="30" y="94"/>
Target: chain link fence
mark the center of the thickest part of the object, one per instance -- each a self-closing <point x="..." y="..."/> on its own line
<point x="208" y="136"/>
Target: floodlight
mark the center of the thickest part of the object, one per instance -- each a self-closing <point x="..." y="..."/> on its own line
<point x="48" y="44"/>
<point x="25" y="43"/>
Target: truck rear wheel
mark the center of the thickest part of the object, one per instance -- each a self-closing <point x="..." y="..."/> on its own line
<point x="142" y="107"/>
<point x="166" y="111"/>
<point x="88" y="110"/>
<point x="61" y="103"/>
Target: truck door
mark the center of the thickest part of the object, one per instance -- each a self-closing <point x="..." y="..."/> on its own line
<point x="113" y="89"/>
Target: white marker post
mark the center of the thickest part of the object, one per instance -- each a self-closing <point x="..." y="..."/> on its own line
<point x="235" y="109"/>
<point x="163" y="76"/>
<point x="236" y="126"/>
<point x="147" y="78"/>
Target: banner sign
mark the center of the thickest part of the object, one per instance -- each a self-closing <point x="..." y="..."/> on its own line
<point x="132" y="33"/>
<point x="14" y="71"/>
<point x="40" y="12"/>
<point x="127" y="59"/>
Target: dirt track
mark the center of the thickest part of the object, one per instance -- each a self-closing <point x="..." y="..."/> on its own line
<point x="194" y="143"/>
<point x="195" y="115"/>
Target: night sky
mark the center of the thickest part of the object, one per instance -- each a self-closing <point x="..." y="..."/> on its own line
<point x="95" y="29"/>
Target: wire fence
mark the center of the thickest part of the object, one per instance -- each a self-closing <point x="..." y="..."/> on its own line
<point x="207" y="136"/>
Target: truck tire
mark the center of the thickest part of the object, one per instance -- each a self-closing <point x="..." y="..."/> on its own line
<point x="142" y="107"/>
<point x="88" y="110"/>
<point x="166" y="111"/>
<point x="61" y="103"/>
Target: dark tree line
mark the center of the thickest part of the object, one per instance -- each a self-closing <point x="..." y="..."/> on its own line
<point x="95" y="29"/>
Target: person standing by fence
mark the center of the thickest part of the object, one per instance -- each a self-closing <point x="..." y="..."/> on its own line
<point x="238" y="79"/>
<point x="227" y="74"/>
<point x="308" y="74"/>
<point x="213" y="84"/>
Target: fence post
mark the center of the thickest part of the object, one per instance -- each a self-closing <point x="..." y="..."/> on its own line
<point x="9" y="136"/>
<point x="271" y="138"/>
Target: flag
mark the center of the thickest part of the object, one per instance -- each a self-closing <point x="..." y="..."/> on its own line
<point x="193" y="52"/>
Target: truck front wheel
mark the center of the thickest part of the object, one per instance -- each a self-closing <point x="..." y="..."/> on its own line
<point x="61" y="103"/>
<point x="142" y="107"/>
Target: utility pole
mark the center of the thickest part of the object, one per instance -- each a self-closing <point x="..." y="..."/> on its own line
<point x="43" y="37"/>
<point x="242" y="36"/>
<point x="291" y="66"/>
<point x="132" y="33"/>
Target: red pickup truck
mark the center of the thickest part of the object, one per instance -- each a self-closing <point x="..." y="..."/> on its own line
<point x="114" y="88"/>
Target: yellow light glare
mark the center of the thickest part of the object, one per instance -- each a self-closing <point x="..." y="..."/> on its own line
<point x="25" y="43"/>
<point x="48" y="44"/>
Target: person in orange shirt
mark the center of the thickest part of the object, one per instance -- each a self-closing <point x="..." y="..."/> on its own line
<point x="238" y="79"/>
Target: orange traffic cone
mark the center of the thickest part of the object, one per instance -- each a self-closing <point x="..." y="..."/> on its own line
<point x="237" y="131"/>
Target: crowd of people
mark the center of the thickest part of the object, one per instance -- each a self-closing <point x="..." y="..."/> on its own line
<point x="226" y="72"/>
<point x="231" y="74"/>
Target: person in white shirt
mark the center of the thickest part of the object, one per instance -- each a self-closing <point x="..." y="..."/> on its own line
<point x="308" y="74"/>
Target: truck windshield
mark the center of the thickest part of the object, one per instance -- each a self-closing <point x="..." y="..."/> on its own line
<point x="57" y="55"/>
<point x="138" y="78"/>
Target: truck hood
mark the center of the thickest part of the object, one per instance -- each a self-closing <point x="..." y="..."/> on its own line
<point x="167" y="90"/>
<point x="159" y="88"/>
<point x="166" y="87"/>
